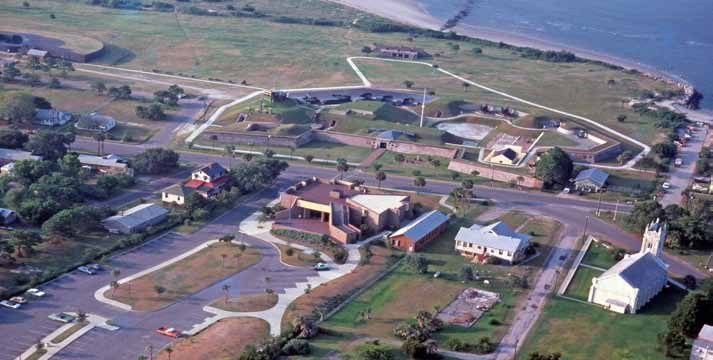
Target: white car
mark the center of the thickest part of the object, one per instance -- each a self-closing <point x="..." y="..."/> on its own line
<point x="666" y="185"/>
<point x="35" y="292"/>
<point x="61" y="317"/>
<point x="321" y="267"/>
<point x="10" y="304"/>
<point x="87" y="270"/>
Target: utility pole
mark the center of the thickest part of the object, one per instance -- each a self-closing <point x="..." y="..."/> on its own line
<point x="616" y="209"/>
<point x="492" y="175"/>
<point x="586" y="224"/>
<point x="423" y="107"/>
<point x="599" y="202"/>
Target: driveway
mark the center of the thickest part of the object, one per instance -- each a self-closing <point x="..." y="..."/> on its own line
<point x="680" y="177"/>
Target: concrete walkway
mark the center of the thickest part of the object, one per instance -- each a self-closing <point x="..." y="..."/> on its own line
<point x="53" y="348"/>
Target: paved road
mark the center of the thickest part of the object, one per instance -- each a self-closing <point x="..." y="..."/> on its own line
<point x="75" y="290"/>
<point x="680" y="177"/>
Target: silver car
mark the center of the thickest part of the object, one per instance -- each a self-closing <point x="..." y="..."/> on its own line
<point x="10" y="304"/>
<point x="61" y="317"/>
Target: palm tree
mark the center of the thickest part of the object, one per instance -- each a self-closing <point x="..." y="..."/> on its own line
<point x="520" y="179"/>
<point x="409" y="84"/>
<point x="223" y="257"/>
<point x="114" y="285"/>
<point x="380" y="176"/>
<point x="226" y="289"/>
<point x="342" y="167"/>
<point x="309" y="158"/>
<point x="435" y="68"/>
<point x="419" y="182"/>
<point x="230" y="151"/>
<point x="236" y="256"/>
<point x="466" y="86"/>
<point x="81" y="316"/>
<point x="248" y="157"/>
<point x="214" y="138"/>
<point x="169" y="350"/>
<point x="377" y="166"/>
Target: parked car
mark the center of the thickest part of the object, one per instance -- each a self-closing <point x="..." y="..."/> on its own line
<point x="10" y="304"/>
<point x="19" y="299"/>
<point x="87" y="270"/>
<point x="168" y="332"/>
<point x="321" y="266"/>
<point x="678" y="162"/>
<point x="95" y="267"/>
<point x="35" y="292"/>
<point x="62" y="317"/>
<point x="666" y="185"/>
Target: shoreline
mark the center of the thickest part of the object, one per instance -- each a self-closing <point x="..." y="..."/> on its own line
<point x="410" y="12"/>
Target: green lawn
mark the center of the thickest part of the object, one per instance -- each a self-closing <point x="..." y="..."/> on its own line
<point x="588" y="332"/>
<point x="582" y="281"/>
<point x="406" y="168"/>
<point x="552" y="138"/>
<point x="354" y="124"/>
<point x="600" y="256"/>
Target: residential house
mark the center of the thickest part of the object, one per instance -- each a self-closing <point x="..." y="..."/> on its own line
<point x="175" y="194"/>
<point x="51" y="117"/>
<point x="703" y="345"/>
<point x="495" y="240"/>
<point x="11" y="155"/>
<point x="108" y="164"/>
<point x="505" y="156"/>
<point x="37" y="54"/>
<point x="400" y="52"/>
<point x="7" y="216"/>
<point x="208" y="180"/>
<point x="340" y="209"/>
<point x="636" y="279"/>
<point x="590" y="180"/>
<point x="96" y="123"/>
<point x="420" y="231"/>
<point x="135" y="219"/>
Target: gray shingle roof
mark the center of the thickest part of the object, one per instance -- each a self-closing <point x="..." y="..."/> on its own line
<point x="637" y="270"/>
<point x="389" y="135"/>
<point x="497" y="236"/>
<point x="422" y="225"/>
<point x="596" y="176"/>
<point x="138" y="215"/>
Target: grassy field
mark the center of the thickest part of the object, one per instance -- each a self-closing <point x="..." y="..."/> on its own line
<point x="247" y="303"/>
<point x="226" y="339"/>
<point x="185" y="277"/>
<point x="360" y="126"/>
<point x="581" y="282"/>
<point x="273" y="54"/>
<point x="584" y="331"/>
<point x="600" y="256"/>
<point x="298" y="257"/>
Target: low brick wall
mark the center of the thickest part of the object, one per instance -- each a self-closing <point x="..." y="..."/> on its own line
<point x="260" y="139"/>
<point x="496" y="174"/>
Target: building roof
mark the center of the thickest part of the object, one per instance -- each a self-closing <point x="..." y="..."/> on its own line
<point x="706" y="333"/>
<point x="4" y="213"/>
<point x="177" y="190"/>
<point x="389" y="135"/>
<point x="507" y="152"/>
<point x="17" y="155"/>
<point x="138" y="215"/>
<point x="213" y="169"/>
<point x="52" y="115"/>
<point x="92" y="160"/>
<point x="638" y="270"/>
<point x="379" y="203"/>
<point x="36" y="52"/>
<point x="399" y="48"/>
<point x="422" y="225"/>
<point x="497" y="235"/>
<point x="201" y="185"/>
<point x="318" y="191"/>
<point x="596" y="176"/>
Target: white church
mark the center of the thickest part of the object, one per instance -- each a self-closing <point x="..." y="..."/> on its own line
<point x="636" y="278"/>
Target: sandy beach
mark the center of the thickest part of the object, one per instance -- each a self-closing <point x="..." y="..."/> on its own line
<point x="410" y="12"/>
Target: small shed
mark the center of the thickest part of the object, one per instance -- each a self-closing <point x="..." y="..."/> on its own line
<point x="420" y="231"/>
<point x="37" y="54"/>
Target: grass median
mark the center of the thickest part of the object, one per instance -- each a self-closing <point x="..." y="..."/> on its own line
<point x="185" y="277"/>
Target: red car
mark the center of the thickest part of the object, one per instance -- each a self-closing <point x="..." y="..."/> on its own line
<point x="168" y="332"/>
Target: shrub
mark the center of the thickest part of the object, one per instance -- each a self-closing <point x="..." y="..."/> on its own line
<point x="289" y="251"/>
<point x="296" y="347"/>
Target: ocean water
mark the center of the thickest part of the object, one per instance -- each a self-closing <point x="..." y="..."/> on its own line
<point x="671" y="36"/>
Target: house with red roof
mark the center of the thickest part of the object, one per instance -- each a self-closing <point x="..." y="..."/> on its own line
<point x="209" y="180"/>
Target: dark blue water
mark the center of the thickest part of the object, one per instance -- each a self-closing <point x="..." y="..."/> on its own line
<point x="671" y="36"/>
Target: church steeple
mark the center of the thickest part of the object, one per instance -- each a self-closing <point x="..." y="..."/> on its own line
<point x="654" y="238"/>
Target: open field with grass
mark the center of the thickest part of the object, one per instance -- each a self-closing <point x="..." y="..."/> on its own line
<point x="247" y="303"/>
<point x="226" y="339"/>
<point x="297" y="258"/>
<point x="600" y="256"/>
<point x="360" y="126"/>
<point x="302" y="55"/>
<point x="585" y="331"/>
<point x="323" y="298"/>
<point x="184" y="277"/>
<point x="581" y="282"/>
